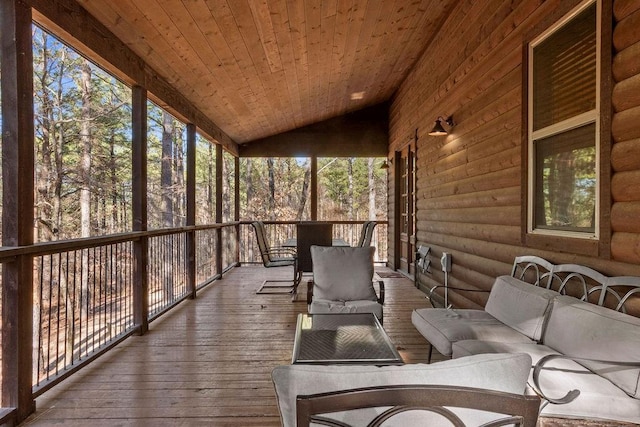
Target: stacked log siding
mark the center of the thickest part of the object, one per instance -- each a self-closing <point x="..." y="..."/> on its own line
<point x="625" y="152"/>
<point x="471" y="184"/>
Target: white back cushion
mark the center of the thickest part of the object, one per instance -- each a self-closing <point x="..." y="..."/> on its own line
<point x="520" y="305"/>
<point x="343" y="273"/>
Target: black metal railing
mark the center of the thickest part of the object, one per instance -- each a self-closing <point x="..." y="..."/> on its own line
<point x="82" y="301"/>
<point x="89" y="292"/>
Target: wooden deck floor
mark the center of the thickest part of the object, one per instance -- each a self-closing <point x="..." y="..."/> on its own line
<point x="208" y="362"/>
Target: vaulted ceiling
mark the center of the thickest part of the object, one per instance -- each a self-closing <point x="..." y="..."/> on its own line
<point x="258" y="68"/>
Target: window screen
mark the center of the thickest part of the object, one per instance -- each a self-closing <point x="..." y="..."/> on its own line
<point x="564" y="71"/>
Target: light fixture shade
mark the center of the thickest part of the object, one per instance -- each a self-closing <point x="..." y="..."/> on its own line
<point x="438" y="130"/>
<point x="385" y="165"/>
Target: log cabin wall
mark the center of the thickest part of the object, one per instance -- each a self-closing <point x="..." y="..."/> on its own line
<point x="625" y="152"/>
<point x="470" y="184"/>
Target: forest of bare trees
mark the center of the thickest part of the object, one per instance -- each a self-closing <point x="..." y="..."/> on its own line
<point x="83" y="188"/>
<point x="83" y="162"/>
<point x="349" y="189"/>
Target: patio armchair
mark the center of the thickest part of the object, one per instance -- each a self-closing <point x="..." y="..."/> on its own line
<point x="366" y="234"/>
<point x="343" y="281"/>
<point x="419" y="405"/>
<point x="469" y="391"/>
<point x="275" y="257"/>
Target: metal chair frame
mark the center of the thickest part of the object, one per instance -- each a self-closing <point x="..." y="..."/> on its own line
<point x="276" y="257"/>
<point x="511" y="409"/>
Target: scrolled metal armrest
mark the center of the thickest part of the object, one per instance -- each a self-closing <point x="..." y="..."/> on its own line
<point x="572" y="394"/>
<point x="569" y="397"/>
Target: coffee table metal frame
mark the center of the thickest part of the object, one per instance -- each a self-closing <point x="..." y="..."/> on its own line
<point x="345" y="338"/>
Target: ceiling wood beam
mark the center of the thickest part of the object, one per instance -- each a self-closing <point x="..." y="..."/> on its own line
<point x="70" y="22"/>
<point x="364" y="133"/>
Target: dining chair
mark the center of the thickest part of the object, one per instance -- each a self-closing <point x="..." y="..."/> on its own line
<point x="275" y="257"/>
<point x="366" y="233"/>
<point x="308" y="234"/>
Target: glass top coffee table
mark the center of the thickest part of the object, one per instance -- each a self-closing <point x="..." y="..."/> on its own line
<point x="343" y="339"/>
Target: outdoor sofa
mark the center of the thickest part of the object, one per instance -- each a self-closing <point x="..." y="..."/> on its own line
<point x="586" y="356"/>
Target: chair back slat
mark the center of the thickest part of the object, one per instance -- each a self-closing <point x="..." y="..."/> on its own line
<point x="366" y="234"/>
<point x="263" y="245"/>
<point x="311" y="233"/>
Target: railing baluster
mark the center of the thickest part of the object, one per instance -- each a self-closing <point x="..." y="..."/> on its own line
<point x="85" y="288"/>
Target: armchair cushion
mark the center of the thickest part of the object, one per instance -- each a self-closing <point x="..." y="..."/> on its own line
<point x="319" y="306"/>
<point x="343" y="273"/>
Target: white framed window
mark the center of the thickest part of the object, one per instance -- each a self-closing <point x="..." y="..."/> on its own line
<point x="564" y="126"/>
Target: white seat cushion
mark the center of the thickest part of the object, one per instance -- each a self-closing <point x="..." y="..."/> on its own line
<point x="598" y="399"/>
<point x="577" y="328"/>
<point x="319" y="306"/>
<point x="441" y="327"/>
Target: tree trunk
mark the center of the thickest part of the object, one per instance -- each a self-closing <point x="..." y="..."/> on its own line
<point x="166" y="175"/>
<point x="85" y="199"/>
<point x="211" y="186"/>
<point x="372" y="189"/>
<point x="350" y="188"/>
<point x="113" y="174"/>
<point x="272" y="188"/>
<point x="250" y="212"/>
<point x="166" y="205"/>
<point x="85" y="160"/>
<point x="43" y="166"/>
<point x="305" y="192"/>
<point x="178" y="188"/>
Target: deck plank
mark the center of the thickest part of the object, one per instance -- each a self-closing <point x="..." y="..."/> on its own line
<point x="209" y="361"/>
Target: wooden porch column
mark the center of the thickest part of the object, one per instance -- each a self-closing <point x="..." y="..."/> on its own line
<point x="236" y="215"/>
<point x="314" y="188"/>
<point x="139" y="208"/>
<point x="191" y="208"/>
<point x="219" y="172"/>
<point x="17" y="200"/>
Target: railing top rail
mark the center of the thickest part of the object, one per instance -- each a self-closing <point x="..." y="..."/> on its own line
<point x="45" y="248"/>
<point x="248" y="222"/>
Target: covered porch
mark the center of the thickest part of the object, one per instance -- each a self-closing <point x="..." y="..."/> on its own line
<point x="159" y="319"/>
<point x="208" y="362"/>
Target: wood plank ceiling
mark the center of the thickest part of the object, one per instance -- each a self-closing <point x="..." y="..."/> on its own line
<point x="257" y="68"/>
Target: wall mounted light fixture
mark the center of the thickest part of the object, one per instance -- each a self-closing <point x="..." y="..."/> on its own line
<point x="384" y="165"/>
<point x="438" y="129"/>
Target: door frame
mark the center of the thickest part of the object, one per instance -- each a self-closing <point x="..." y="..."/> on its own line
<point x="399" y="160"/>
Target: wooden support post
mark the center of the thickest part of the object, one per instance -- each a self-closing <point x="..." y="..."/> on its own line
<point x="219" y="172"/>
<point x="191" y="208"/>
<point x="236" y="203"/>
<point x="397" y="185"/>
<point x="17" y="204"/>
<point x="139" y="208"/>
<point x="314" y="188"/>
